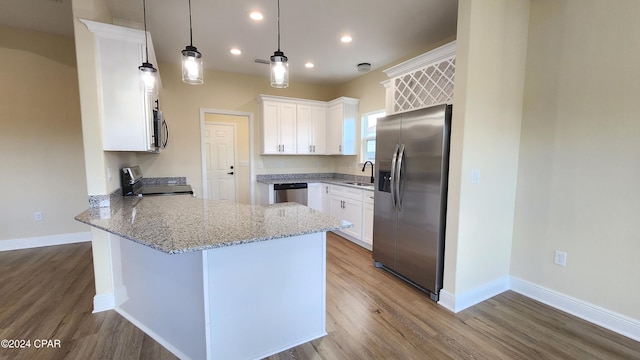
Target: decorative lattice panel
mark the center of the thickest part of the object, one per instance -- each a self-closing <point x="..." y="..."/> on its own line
<point x="432" y="85"/>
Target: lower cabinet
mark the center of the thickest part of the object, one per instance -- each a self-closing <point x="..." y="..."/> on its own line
<point x="355" y="206"/>
<point x="349" y="210"/>
<point x="314" y="196"/>
<point x="367" y="218"/>
<point x="326" y="198"/>
<point x="343" y="202"/>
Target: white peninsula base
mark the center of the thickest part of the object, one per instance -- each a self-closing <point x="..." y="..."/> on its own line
<point x="245" y="301"/>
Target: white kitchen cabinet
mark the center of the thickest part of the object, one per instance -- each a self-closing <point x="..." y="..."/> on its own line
<point x="341" y="126"/>
<point x="346" y="204"/>
<point x="126" y="108"/>
<point x="278" y="127"/>
<point x="308" y="127"/>
<point x="423" y="81"/>
<point x="314" y="196"/>
<point x="326" y="199"/>
<point x="311" y="129"/>
<point x="367" y="218"/>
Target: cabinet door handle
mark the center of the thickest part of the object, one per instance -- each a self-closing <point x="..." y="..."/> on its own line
<point x="310" y="149"/>
<point x="314" y="148"/>
<point x="340" y="148"/>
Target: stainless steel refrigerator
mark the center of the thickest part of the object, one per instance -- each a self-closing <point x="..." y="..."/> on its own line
<point x="412" y="161"/>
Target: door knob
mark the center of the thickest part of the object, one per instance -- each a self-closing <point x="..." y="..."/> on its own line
<point x="230" y="173"/>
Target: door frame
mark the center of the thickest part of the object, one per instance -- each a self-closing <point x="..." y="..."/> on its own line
<point x="252" y="175"/>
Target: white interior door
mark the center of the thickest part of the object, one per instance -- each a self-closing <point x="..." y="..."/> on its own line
<point x="219" y="141"/>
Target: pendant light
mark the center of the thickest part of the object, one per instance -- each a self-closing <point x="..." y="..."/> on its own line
<point x="192" y="72"/>
<point x="279" y="64"/>
<point x="147" y="71"/>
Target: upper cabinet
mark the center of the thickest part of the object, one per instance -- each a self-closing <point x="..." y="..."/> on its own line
<point x="341" y="126"/>
<point x="307" y="127"/>
<point x="278" y="127"/>
<point x="311" y="129"/>
<point x="125" y="106"/>
<point x="423" y="81"/>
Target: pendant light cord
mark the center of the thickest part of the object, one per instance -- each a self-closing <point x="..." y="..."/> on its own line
<point x="278" y="25"/>
<point x="190" y="27"/>
<point x="144" y="14"/>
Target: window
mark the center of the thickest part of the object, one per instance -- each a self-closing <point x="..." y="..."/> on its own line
<point x="368" y="143"/>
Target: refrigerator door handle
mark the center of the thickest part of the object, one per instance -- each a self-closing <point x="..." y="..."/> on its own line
<point x="399" y="178"/>
<point x="392" y="179"/>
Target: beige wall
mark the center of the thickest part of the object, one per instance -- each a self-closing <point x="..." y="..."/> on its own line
<point x="491" y="50"/>
<point x="181" y="104"/>
<point x="41" y="157"/>
<point x="578" y="187"/>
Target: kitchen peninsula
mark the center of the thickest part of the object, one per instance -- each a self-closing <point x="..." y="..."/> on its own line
<point x="218" y="280"/>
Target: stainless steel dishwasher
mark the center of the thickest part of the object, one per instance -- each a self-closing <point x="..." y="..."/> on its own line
<point x="296" y="192"/>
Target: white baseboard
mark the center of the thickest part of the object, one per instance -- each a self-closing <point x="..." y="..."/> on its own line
<point x="103" y="302"/>
<point x="447" y="300"/>
<point x="152" y="334"/>
<point x="354" y="240"/>
<point x="40" y="241"/>
<point x="608" y="319"/>
<point x="459" y="302"/>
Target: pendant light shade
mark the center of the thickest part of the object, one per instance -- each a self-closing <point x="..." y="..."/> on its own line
<point x="148" y="73"/>
<point x="279" y="64"/>
<point x="279" y="70"/>
<point x="148" y="77"/>
<point x="192" y="69"/>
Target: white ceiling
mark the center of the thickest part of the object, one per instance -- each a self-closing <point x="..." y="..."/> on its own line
<point x="383" y="31"/>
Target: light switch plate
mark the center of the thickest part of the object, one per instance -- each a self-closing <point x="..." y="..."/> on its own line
<point x="475" y="176"/>
<point x="560" y="258"/>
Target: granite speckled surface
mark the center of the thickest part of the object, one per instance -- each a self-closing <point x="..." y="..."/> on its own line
<point x="329" y="178"/>
<point x="178" y="224"/>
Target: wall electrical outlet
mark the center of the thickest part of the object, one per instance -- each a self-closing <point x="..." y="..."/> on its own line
<point x="37" y="216"/>
<point x="560" y="258"/>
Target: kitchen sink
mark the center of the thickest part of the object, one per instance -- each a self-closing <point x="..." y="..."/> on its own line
<point x="360" y="184"/>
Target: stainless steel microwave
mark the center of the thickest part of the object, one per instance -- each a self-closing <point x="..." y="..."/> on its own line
<point x="160" y="137"/>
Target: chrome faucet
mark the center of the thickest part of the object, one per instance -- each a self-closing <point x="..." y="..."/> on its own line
<point x="365" y="165"/>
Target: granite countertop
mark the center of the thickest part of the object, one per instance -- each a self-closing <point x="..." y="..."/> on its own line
<point x="343" y="182"/>
<point x="179" y="224"/>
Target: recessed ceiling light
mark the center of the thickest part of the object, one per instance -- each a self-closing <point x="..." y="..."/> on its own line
<point x="346" y="39"/>
<point x="235" y="51"/>
<point x="309" y="65"/>
<point x="256" y="15"/>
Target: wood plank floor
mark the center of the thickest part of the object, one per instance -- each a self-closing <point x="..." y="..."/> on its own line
<point x="47" y="293"/>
